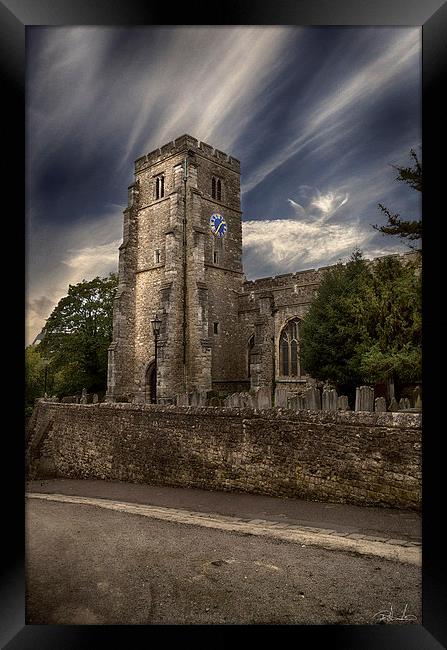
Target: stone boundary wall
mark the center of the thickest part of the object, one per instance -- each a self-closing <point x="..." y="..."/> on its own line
<point x="348" y="457"/>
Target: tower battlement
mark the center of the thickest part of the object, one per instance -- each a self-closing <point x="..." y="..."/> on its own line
<point x="184" y="143"/>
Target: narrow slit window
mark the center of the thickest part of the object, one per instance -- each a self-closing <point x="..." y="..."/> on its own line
<point x="219" y="190"/>
<point x="215" y="257"/>
<point x="160" y="186"/>
<point x="216" y="328"/>
<point x="157" y="256"/>
<point x="213" y="188"/>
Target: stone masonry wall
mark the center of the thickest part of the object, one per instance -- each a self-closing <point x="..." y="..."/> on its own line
<point x="359" y="458"/>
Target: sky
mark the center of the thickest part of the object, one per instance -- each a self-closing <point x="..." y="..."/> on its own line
<point x="316" y="115"/>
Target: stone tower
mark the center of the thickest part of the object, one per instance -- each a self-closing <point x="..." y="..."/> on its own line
<point x="171" y="264"/>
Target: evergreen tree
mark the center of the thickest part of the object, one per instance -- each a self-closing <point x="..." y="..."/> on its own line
<point x="364" y="324"/>
<point x="410" y="229"/>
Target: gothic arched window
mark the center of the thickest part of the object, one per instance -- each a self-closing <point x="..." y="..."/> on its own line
<point x="251" y="344"/>
<point x="219" y="190"/>
<point x="289" y="350"/>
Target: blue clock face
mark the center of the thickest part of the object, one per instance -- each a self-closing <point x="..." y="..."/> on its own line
<point x="218" y="224"/>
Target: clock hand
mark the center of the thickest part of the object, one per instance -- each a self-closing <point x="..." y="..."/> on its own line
<point x="219" y="227"/>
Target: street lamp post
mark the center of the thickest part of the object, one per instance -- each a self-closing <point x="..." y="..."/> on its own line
<point x="156" y="323"/>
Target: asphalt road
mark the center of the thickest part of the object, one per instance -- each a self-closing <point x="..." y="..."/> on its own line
<point x="89" y="565"/>
<point x="342" y="517"/>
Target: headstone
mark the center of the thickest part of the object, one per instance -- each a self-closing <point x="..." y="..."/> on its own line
<point x="83" y="399"/>
<point x="364" y="398"/>
<point x="393" y="406"/>
<point x="264" y="395"/>
<point x="292" y="401"/>
<point x="232" y="400"/>
<point x="252" y="401"/>
<point x="182" y="399"/>
<point x="197" y="398"/>
<point x="214" y="401"/>
<point x="312" y="398"/>
<point x="380" y="404"/>
<point x="281" y="397"/>
<point x="404" y="404"/>
<point x="95" y="398"/>
<point x="342" y="403"/>
<point x="300" y="403"/>
<point x="417" y="398"/>
<point x="329" y="399"/>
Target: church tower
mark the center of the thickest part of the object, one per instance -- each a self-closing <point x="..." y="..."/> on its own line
<point x="180" y="260"/>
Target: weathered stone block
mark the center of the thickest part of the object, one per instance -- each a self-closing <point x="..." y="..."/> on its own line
<point x="329" y="399"/>
<point x="343" y="403"/>
<point x="380" y="404"/>
<point x="364" y="398"/>
<point x="281" y="397"/>
<point x="312" y="397"/>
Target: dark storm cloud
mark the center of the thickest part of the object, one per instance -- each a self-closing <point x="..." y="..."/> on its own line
<point x="316" y="116"/>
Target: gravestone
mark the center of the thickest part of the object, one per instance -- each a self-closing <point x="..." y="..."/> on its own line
<point x="264" y="395"/>
<point x="84" y="396"/>
<point x="417" y="398"/>
<point x="292" y="402"/>
<point x="312" y="399"/>
<point x="329" y="399"/>
<point x="281" y="397"/>
<point x="95" y="398"/>
<point x="182" y="399"/>
<point x="404" y="404"/>
<point x="393" y="406"/>
<point x="364" y="398"/>
<point x="300" y="403"/>
<point x="342" y="403"/>
<point x="380" y="404"/>
<point x="232" y="400"/>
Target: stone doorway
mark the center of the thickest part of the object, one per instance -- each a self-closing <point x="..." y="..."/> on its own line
<point x="150" y="384"/>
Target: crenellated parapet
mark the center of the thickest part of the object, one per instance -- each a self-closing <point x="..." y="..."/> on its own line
<point x="186" y="143"/>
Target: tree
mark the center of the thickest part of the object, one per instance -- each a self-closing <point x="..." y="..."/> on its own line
<point x="410" y="229"/>
<point x="333" y="334"/>
<point x="77" y="334"/>
<point x="364" y="324"/>
<point x="34" y="376"/>
<point x="395" y="329"/>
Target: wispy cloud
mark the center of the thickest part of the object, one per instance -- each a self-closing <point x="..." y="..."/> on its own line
<point x="99" y="97"/>
<point x="311" y="238"/>
<point x="334" y="115"/>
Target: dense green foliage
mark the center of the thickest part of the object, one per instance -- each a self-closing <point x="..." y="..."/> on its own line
<point x="34" y="376"/>
<point x="364" y="324"/>
<point x="76" y="337"/>
<point x="410" y="229"/>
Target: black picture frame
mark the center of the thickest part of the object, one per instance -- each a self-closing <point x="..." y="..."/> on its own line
<point x="431" y="15"/>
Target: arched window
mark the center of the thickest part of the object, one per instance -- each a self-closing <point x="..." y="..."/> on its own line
<point x="216" y="188"/>
<point x="289" y="350"/>
<point x="251" y="344"/>
<point x="159" y="187"/>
